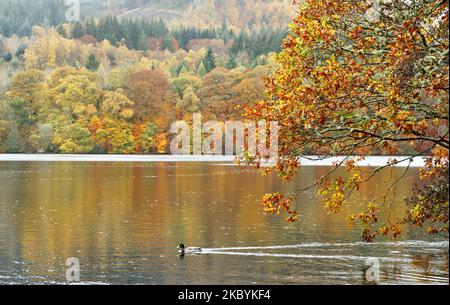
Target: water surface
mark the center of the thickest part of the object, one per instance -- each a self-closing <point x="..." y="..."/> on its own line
<point x="123" y="222"/>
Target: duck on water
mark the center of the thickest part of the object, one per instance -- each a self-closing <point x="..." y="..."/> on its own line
<point x="191" y="250"/>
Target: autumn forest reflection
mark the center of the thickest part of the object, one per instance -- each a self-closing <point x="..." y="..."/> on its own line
<point x="124" y="220"/>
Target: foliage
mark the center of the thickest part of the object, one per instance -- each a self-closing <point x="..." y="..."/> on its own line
<point x="355" y="80"/>
<point x="146" y="88"/>
<point x="116" y="136"/>
<point x="18" y="16"/>
<point x="92" y="63"/>
<point x="42" y="139"/>
<point x="21" y="111"/>
<point x="116" y="104"/>
<point x="76" y="139"/>
<point x="73" y="96"/>
<point x="11" y="143"/>
<point x="26" y="85"/>
<point x="209" y="62"/>
<point x="430" y="204"/>
<point x="7" y="57"/>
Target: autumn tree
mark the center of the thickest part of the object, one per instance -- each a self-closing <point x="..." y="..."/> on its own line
<point x="184" y="81"/>
<point x="144" y="135"/>
<point x="251" y="88"/>
<point x="23" y="121"/>
<point x="27" y="85"/>
<point x="217" y="94"/>
<point x="76" y="139"/>
<point x="117" y="105"/>
<point x="76" y="95"/>
<point x="42" y="138"/>
<point x="358" y="79"/>
<point x="116" y="136"/>
<point x="146" y="88"/>
<point x="190" y="102"/>
<point x="3" y="130"/>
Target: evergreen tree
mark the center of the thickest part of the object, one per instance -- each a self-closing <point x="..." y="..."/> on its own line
<point x="142" y="42"/>
<point x="7" y="57"/>
<point x="201" y="71"/>
<point x="182" y="68"/>
<point x="231" y="64"/>
<point x="92" y="63"/>
<point x="209" y="61"/>
<point x="91" y="28"/>
<point x="78" y="30"/>
<point x="61" y="31"/>
<point x="168" y="43"/>
<point x="21" y="49"/>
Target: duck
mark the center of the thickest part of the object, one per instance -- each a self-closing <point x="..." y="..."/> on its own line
<point x="191" y="250"/>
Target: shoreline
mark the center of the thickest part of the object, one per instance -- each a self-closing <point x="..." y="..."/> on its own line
<point x="371" y="161"/>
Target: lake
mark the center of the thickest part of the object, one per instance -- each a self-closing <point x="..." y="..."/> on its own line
<point x="124" y="220"/>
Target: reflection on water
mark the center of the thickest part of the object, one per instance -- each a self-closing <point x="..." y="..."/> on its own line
<point x="123" y="222"/>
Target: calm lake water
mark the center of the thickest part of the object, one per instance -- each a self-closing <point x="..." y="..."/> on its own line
<point x="123" y="221"/>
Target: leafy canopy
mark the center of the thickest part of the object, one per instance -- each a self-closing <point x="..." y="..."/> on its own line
<point x="361" y="79"/>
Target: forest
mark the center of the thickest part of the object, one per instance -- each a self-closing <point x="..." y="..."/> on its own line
<point x="114" y="85"/>
<point x="18" y="16"/>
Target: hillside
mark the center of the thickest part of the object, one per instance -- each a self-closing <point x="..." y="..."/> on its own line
<point x="18" y="16"/>
<point x="236" y="14"/>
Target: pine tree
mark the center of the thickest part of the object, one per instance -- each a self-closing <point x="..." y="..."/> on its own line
<point x="91" y="28"/>
<point x="61" y="31"/>
<point x="78" y="30"/>
<point x="21" y="49"/>
<point x="168" y="43"/>
<point x="142" y="42"/>
<point x="231" y="64"/>
<point x="201" y="71"/>
<point x="182" y="68"/>
<point x="209" y="61"/>
<point x="92" y="63"/>
<point x="7" y="57"/>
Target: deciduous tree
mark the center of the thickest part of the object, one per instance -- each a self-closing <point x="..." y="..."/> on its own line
<point x="358" y="81"/>
<point x="146" y="88"/>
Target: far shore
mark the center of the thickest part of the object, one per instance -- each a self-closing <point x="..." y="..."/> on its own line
<point x="371" y="161"/>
